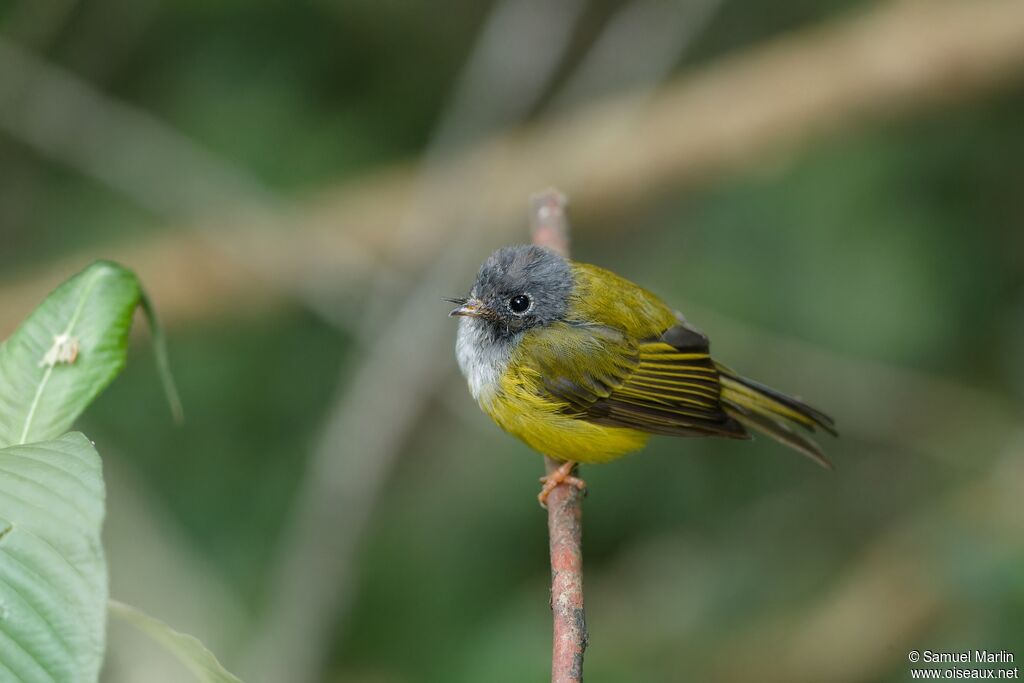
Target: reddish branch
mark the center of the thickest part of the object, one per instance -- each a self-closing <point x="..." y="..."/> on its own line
<point x="550" y="228"/>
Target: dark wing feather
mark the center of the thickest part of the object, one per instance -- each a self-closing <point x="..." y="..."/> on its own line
<point x="667" y="385"/>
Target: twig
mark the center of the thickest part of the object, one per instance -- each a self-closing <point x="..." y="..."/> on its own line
<point x="549" y="226"/>
<point x="550" y="229"/>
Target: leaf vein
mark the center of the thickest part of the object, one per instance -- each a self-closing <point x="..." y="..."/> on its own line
<point x="32" y="608"/>
<point x="49" y="371"/>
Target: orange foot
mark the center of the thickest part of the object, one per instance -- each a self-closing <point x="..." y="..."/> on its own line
<point x="563" y="475"/>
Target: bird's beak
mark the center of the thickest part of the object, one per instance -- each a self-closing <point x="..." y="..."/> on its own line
<point x="470" y="308"/>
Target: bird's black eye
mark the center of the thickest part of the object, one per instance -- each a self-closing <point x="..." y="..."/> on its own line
<point x="520" y="303"/>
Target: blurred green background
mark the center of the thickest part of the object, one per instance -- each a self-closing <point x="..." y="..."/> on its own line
<point x="874" y="269"/>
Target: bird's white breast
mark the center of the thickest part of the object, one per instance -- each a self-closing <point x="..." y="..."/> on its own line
<point x="482" y="358"/>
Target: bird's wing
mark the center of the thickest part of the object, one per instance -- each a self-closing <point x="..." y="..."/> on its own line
<point x="664" y="385"/>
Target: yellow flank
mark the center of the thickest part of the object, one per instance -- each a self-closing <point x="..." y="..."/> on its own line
<point x="521" y="408"/>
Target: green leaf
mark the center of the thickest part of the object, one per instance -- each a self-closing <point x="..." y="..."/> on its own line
<point x="67" y="351"/>
<point x="53" y="575"/>
<point x="189" y="651"/>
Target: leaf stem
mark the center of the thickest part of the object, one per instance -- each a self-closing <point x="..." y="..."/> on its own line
<point x="163" y="364"/>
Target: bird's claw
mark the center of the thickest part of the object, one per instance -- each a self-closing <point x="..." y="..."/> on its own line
<point x="563" y="475"/>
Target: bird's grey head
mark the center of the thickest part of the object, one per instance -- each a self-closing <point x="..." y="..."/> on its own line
<point x="516" y="289"/>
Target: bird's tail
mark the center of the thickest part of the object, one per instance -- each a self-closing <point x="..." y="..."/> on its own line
<point x="770" y="412"/>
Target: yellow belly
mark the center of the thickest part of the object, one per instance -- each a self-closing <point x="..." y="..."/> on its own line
<point x="542" y="424"/>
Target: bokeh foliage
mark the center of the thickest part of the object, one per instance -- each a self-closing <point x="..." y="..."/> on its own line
<point x="893" y="245"/>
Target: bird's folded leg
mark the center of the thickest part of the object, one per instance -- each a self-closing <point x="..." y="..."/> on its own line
<point x="563" y="475"/>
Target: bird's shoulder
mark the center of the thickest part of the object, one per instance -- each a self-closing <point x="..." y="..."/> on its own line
<point x="600" y="297"/>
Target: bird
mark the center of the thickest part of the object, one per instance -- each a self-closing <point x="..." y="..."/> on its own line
<point x="584" y="366"/>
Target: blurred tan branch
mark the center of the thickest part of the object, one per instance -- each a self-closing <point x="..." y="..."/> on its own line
<point x="896" y="58"/>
